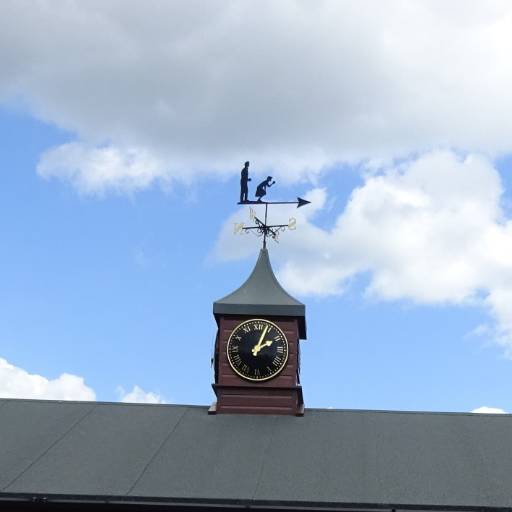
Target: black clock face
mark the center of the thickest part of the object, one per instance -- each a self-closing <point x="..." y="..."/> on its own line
<point x="257" y="350"/>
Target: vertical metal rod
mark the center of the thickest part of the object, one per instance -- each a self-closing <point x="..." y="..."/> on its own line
<point x="265" y="232"/>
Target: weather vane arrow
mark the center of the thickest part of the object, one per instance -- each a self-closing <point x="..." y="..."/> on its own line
<point x="300" y="202"/>
<point x="261" y="228"/>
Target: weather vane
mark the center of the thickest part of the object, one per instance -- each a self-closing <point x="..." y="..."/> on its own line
<point x="261" y="228"/>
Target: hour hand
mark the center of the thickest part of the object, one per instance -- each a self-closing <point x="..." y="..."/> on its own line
<point x="257" y="348"/>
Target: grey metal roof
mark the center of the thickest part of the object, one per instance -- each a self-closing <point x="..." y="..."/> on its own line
<point x="180" y="454"/>
<point x="262" y="295"/>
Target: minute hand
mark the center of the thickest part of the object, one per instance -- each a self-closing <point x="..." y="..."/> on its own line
<point x="258" y="347"/>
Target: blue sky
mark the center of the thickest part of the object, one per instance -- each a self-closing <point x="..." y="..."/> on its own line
<point x="123" y="132"/>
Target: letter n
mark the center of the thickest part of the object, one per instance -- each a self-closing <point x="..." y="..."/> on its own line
<point x="239" y="226"/>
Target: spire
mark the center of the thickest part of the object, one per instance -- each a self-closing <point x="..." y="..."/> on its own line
<point x="262" y="295"/>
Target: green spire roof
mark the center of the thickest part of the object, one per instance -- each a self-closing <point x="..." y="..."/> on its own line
<point x="262" y="295"/>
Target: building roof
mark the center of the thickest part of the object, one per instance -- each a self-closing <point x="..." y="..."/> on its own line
<point x="262" y="295"/>
<point x="173" y="454"/>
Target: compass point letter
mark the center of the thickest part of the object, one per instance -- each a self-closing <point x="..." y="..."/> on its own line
<point x="239" y="226"/>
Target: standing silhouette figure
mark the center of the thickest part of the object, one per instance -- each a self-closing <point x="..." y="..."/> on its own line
<point x="244" y="178"/>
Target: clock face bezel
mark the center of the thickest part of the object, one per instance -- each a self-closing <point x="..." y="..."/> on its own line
<point x="273" y="358"/>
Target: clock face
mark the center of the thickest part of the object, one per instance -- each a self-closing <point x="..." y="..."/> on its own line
<point x="257" y="350"/>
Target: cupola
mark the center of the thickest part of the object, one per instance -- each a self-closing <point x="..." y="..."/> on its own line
<point x="257" y="351"/>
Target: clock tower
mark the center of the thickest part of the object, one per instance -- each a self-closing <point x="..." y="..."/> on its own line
<point x="257" y="351"/>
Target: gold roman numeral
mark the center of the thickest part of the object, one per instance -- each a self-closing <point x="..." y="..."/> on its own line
<point x="276" y="362"/>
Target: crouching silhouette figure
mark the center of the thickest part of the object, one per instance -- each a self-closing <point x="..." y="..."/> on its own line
<point x="261" y="190"/>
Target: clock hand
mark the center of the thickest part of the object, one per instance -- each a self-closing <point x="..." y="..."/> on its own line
<point x="257" y="347"/>
<point x="267" y="343"/>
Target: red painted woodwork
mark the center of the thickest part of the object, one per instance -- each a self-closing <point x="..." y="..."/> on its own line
<point x="279" y="395"/>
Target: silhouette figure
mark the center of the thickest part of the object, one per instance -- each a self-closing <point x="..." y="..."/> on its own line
<point x="244" y="178"/>
<point x="262" y="188"/>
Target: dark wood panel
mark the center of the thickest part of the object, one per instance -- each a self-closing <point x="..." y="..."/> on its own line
<point x="288" y="411"/>
<point x="226" y="373"/>
<point x="226" y="369"/>
<point x="257" y="401"/>
<point x="285" y="381"/>
<point x="244" y="400"/>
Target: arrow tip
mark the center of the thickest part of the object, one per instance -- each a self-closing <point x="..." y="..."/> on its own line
<point x="302" y="202"/>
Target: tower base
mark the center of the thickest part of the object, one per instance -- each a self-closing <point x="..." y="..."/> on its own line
<point x="255" y="400"/>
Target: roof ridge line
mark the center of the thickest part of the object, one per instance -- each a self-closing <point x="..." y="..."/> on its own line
<point x="155" y="454"/>
<point x="272" y="273"/>
<point x="265" y="458"/>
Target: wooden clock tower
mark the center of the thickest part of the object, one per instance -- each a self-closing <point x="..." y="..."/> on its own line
<point x="257" y="352"/>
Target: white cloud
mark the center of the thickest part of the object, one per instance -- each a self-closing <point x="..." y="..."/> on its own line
<point x="138" y="396"/>
<point x="430" y="230"/>
<point x="170" y="90"/>
<point x="92" y="169"/>
<point x="489" y="410"/>
<point x="17" y="383"/>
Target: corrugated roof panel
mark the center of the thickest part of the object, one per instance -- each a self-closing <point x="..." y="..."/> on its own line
<point x="209" y="457"/>
<point x="165" y="452"/>
<point x="489" y="437"/>
<point x="429" y="458"/>
<point x="324" y="456"/>
<point x="29" y="428"/>
<point x="104" y="454"/>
